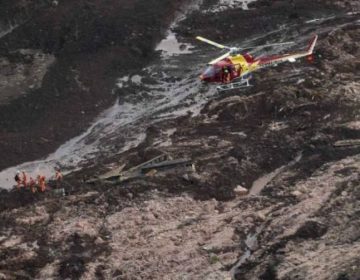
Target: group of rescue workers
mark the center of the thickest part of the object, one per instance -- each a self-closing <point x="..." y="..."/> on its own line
<point x="39" y="184"/>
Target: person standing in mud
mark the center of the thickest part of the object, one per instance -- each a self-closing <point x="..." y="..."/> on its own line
<point x="24" y="179"/>
<point x="41" y="182"/>
<point x="18" y="179"/>
<point x="58" y="177"/>
<point x="32" y="185"/>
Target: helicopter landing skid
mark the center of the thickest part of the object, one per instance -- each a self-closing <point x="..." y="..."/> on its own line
<point x="238" y="85"/>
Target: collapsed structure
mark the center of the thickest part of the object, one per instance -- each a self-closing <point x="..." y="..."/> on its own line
<point x="162" y="164"/>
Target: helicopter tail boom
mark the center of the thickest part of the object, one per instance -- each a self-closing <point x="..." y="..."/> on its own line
<point x="312" y="45"/>
<point x="276" y="59"/>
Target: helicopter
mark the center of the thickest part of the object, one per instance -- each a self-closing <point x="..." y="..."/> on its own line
<point x="233" y="69"/>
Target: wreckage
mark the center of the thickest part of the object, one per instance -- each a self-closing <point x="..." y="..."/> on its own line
<point x="162" y="164"/>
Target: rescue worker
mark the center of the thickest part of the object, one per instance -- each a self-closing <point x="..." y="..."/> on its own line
<point x="24" y="179"/>
<point x="17" y="179"/>
<point x="58" y="177"/>
<point x="32" y="185"/>
<point x="41" y="182"/>
<point x="226" y="75"/>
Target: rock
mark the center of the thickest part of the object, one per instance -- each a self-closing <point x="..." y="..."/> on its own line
<point x="148" y="217"/>
<point x="99" y="241"/>
<point x="260" y="216"/>
<point x="249" y="220"/>
<point x="239" y="190"/>
<point x="186" y="177"/>
<point x="296" y="193"/>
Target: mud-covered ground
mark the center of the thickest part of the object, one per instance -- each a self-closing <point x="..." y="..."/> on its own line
<point x="276" y="139"/>
<point x="59" y="64"/>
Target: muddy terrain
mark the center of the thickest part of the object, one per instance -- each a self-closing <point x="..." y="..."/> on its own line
<point x="59" y="64"/>
<point x="291" y="140"/>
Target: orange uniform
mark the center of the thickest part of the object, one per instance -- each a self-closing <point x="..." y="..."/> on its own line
<point x="42" y="183"/>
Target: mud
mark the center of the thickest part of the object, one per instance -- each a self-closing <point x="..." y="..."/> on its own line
<point x="93" y="43"/>
<point x="301" y="224"/>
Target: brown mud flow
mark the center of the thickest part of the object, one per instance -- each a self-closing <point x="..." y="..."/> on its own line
<point x="196" y="226"/>
<point x="59" y="66"/>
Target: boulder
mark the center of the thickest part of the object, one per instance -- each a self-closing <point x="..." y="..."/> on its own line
<point x="240" y="190"/>
<point x="296" y="193"/>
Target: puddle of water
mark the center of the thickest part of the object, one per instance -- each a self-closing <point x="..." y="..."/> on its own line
<point x="261" y="183"/>
<point x="171" y="46"/>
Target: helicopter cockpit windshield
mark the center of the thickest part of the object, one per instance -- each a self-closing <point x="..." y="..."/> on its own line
<point x="211" y="71"/>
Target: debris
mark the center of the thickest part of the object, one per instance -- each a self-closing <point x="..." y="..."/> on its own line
<point x="260" y="216"/>
<point x="161" y="164"/>
<point x="239" y="190"/>
<point x="296" y="193"/>
<point x="59" y="191"/>
<point x="151" y="173"/>
<point x="347" y="143"/>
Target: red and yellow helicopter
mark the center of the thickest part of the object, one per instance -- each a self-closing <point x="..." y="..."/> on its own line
<point x="233" y="70"/>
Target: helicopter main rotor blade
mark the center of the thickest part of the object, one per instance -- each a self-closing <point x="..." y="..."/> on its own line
<point x="267" y="45"/>
<point x="212" y="43"/>
<point x="225" y="55"/>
